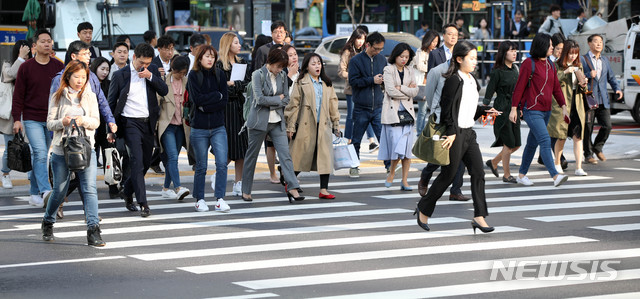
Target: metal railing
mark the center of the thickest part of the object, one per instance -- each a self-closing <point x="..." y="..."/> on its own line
<point x="493" y="43"/>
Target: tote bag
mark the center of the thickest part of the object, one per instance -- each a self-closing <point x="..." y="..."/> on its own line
<point x="344" y="155"/>
<point x="112" y="166"/>
<point x="428" y="147"/>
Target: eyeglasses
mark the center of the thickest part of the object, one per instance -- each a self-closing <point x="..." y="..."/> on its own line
<point x="377" y="49"/>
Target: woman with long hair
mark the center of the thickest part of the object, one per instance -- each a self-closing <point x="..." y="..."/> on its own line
<point x="73" y="102"/>
<point x="293" y="69"/>
<point x="459" y="111"/>
<point x="503" y="79"/>
<point x="480" y="34"/>
<point x="266" y="117"/>
<point x="430" y="41"/>
<point x="173" y="131"/>
<point x="237" y="139"/>
<point x="354" y="45"/>
<point x="20" y="53"/>
<point x="396" y="140"/>
<point x="534" y="92"/>
<point x="568" y="65"/>
<point x="312" y="117"/>
<point x="207" y="88"/>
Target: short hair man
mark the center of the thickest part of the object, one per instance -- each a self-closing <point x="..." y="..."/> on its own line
<point x="195" y="41"/>
<point x="133" y="92"/>
<point x="424" y="27"/>
<point x="29" y="110"/>
<point x="120" y="57"/>
<point x="85" y="34"/>
<point x="599" y="72"/>
<point x="278" y="33"/>
<point x="166" y="51"/>
<point x="552" y="24"/>
<point x="518" y="28"/>
<point x="150" y="37"/>
<point x="444" y="53"/>
<point x="365" y="78"/>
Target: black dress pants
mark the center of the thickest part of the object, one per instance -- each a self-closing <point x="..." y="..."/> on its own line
<point x="139" y="140"/>
<point x="464" y="149"/>
<point x="603" y="115"/>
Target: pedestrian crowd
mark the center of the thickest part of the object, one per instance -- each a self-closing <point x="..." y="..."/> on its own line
<point x="158" y="102"/>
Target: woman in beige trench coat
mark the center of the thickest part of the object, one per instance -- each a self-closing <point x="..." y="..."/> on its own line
<point x="568" y="65"/>
<point x="312" y="116"/>
<point x="173" y="132"/>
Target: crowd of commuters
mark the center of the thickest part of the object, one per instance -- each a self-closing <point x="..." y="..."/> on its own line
<point x="151" y="107"/>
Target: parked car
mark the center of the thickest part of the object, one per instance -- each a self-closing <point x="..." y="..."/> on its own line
<point x="181" y="35"/>
<point x="307" y="37"/>
<point x="330" y="49"/>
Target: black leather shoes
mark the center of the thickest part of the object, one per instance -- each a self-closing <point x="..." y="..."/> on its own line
<point x="128" y="202"/>
<point x="47" y="231"/>
<point x="145" y="212"/>
<point x="459" y="197"/>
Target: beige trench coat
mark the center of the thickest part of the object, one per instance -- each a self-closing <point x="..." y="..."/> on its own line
<point x="394" y="97"/>
<point x="167" y="109"/>
<point x="557" y="127"/>
<point x="301" y="110"/>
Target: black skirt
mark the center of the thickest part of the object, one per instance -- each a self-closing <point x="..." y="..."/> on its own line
<point x="234" y="121"/>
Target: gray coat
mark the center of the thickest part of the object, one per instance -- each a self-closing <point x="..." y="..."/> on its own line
<point x="435" y="82"/>
<point x="265" y="99"/>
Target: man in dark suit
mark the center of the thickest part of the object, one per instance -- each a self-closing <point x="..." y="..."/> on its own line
<point x="278" y="33"/>
<point x="442" y="54"/>
<point x="518" y="28"/>
<point x="598" y="71"/>
<point x="133" y="92"/>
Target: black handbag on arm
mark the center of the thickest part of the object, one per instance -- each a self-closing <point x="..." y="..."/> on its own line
<point x="77" y="148"/>
<point x="19" y="154"/>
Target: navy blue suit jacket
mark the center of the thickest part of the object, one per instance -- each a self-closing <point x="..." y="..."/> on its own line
<point x="119" y="91"/>
<point x="436" y="57"/>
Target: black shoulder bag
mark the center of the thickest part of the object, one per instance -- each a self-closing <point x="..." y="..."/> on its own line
<point x="77" y="148"/>
<point x="19" y="154"/>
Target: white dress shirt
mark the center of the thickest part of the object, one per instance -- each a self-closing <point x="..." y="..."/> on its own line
<point x="136" y="105"/>
<point x="192" y="59"/>
<point x="274" y="117"/>
<point x="469" y="101"/>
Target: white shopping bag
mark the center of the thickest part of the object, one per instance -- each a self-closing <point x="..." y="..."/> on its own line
<point x="344" y="155"/>
<point x="112" y="166"/>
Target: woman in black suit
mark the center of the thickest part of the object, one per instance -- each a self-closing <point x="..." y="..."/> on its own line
<point x="459" y="103"/>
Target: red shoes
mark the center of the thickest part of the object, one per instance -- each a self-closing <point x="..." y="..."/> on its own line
<point x="326" y="196"/>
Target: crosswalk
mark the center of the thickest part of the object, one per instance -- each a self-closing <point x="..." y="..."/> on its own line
<point x="365" y="244"/>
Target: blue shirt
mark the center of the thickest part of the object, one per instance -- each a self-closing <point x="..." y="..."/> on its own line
<point x="317" y="86"/>
<point x="447" y="52"/>
<point x="421" y="32"/>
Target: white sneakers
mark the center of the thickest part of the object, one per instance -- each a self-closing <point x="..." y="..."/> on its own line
<point x="580" y="172"/>
<point x="524" y="181"/>
<point x="6" y="182"/>
<point x="169" y="193"/>
<point x="559" y="169"/>
<point x="182" y="193"/>
<point x="560" y="179"/>
<point x="222" y="206"/>
<point x="201" y="206"/>
<point x="36" y="201"/>
<point x="213" y="182"/>
<point x="237" y="189"/>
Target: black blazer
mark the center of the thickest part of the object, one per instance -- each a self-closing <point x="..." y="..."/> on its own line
<point x="523" y="33"/>
<point x="450" y="103"/>
<point x="436" y="58"/>
<point x="157" y="62"/>
<point x="119" y="90"/>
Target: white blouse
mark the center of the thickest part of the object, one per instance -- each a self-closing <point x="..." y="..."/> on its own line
<point x="469" y="101"/>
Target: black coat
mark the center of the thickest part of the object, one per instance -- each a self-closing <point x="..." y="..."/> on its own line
<point x="436" y="58"/>
<point x="523" y="33"/>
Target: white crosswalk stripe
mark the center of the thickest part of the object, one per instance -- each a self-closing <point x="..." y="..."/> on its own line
<point x="269" y="248"/>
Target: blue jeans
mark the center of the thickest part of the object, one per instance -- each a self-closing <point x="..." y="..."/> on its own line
<point x="361" y="119"/>
<point x="200" y="140"/>
<point x="538" y="135"/>
<point x="423" y="106"/>
<point x="5" y="162"/>
<point x="172" y="141"/>
<point x="61" y="178"/>
<point x="348" y="125"/>
<point x="40" y="140"/>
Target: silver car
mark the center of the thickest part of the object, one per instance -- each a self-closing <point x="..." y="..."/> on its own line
<point x="330" y="49"/>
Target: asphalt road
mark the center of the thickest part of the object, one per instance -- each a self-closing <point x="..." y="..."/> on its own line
<point x="365" y="243"/>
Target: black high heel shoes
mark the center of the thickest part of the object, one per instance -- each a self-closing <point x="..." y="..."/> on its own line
<point x="292" y="198"/>
<point x="420" y="224"/>
<point x="484" y="229"/>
